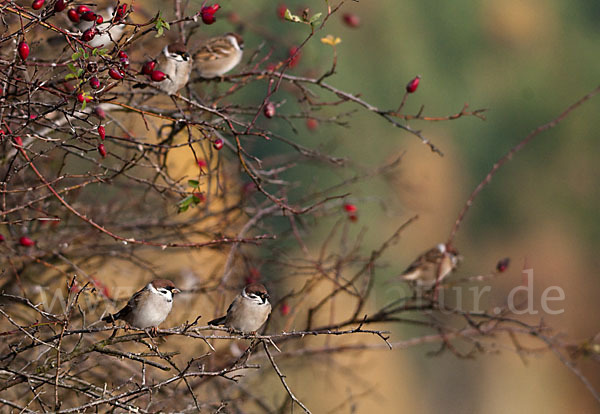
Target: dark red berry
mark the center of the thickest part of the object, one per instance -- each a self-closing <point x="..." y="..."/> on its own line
<point x="102" y="150"/>
<point x="148" y="67"/>
<point x="123" y="55"/>
<point x="269" y="110"/>
<point x="115" y="73"/>
<point x="294" y="56"/>
<point x="413" y="84"/>
<point x="120" y="12"/>
<point x="208" y="13"/>
<point x="23" y="50"/>
<point x="350" y="208"/>
<point x="503" y="264"/>
<point x="81" y="98"/>
<point x="100" y="112"/>
<point x="59" y="6"/>
<point x="1" y="238"/>
<point x="199" y="197"/>
<point x="101" y="132"/>
<point x="284" y="309"/>
<point x="201" y="164"/>
<point x="73" y="15"/>
<point x="353" y="217"/>
<point x="281" y="11"/>
<point x="99" y="19"/>
<point x="37" y="4"/>
<point x="312" y="124"/>
<point x="351" y="20"/>
<point x="89" y="34"/>
<point x="158" y="76"/>
<point x="218" y="144"/>
<point x="124" y="61"/>
<point x="26" y="241"/>
<point x="94" y="82"/>
<point x="208" y="18"/>
<point x="89" y="16"/>
<point x="82" y="9"/>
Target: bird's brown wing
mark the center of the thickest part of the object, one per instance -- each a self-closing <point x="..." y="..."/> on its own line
<point x="213" y="49"/>
<point x="123" y="313"/>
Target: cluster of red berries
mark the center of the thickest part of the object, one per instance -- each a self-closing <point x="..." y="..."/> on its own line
<point x="155" y="75"/>
<point x="207" y="13"/>
<point x="351" y="210"/>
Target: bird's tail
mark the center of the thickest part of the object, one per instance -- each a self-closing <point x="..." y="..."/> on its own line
<point x="218" y="321"/>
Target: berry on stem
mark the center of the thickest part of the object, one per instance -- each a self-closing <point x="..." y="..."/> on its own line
<point x="23" y="50"/>
<point x="413" y="84"/>
<point x="82" y="9"/>
<point x="148" y="67"/>
<point x="59" y="6"/>
<point x="89" y="16"/>
<point x="351" y="20"/>
<point x="102" y="150"/>
<point x="503" y="264"/>
<point x="37" y="4"/>
<point x="101" y="132"/>
<point x="269" y="110"/>
<point x="350" y="208"/>
<point x="26" y="241"/>
<point x="218" y="144"/>
<point x="284" y="309"/>
<point x="94" y="82"/>
<point x="89" y="34"/>
<point x="73" y="15"/>
<point x="115" y="73"/>
<point x="158" y="76"/>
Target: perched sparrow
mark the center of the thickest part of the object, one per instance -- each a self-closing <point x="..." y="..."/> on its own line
<point x="176" y="63"/>
<point x="148" y="307"/>
<point x="219" y="55"/>
<point x="435" y="263"/>
<point x="248" y="311"/>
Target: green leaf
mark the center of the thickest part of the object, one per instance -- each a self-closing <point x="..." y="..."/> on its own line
<point x="71" y="67"/>
<point x="69" y="76"/>
<point x="193" y="183"/>
<point x="185" y="203"/>
<point x="83" y="105"/>
<point x="79" y="72"/>
<point x="166" y="24"/>
<point x="291" y="17"/>
<point x="75" y="56"/>
<point x="314" y="19"/>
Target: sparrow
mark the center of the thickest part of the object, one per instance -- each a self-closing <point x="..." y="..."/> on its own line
<point x="248" y="311"/>
<point x="148" y="307"/>
<point x="219" y="55"/>
<point x="176" y="63"/>
<point x="434" y="264"/>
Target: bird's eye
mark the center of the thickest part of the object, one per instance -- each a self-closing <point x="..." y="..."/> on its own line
<point x="163" y="291"/>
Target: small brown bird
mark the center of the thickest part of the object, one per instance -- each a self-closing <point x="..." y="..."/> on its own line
<point x="148" y="307"/>
<point x="219" y="55"/>
<point x="434" y="264"/>
<point x="176" y="63"/>
<point x="248" y="311"/>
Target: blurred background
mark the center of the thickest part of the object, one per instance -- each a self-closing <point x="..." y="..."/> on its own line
<point x="524" y="61"/>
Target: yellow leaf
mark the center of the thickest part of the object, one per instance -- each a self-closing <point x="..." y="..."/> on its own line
<point x="330" y="40"/>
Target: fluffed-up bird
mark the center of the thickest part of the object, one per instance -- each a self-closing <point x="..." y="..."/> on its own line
<point x="248" y="311"/>
<point x="435" y="264"/>
<point x="219" y="55"/>
<point x="148" y="307"/>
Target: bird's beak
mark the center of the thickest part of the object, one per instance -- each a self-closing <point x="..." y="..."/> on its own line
<point x="175" y="290"/>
